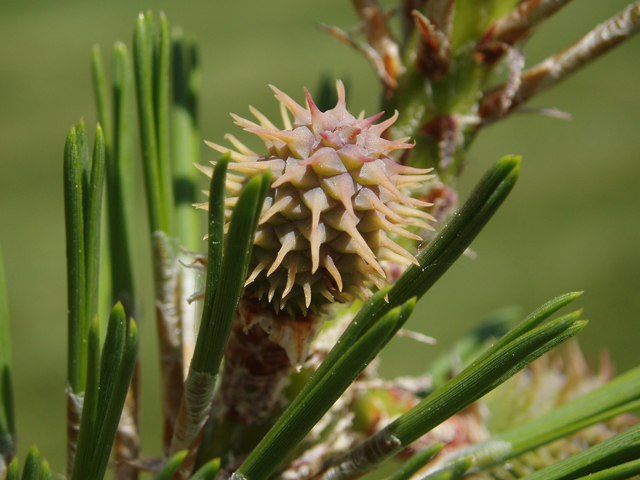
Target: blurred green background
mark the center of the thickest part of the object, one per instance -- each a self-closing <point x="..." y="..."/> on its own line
<point x="572" y="223"/>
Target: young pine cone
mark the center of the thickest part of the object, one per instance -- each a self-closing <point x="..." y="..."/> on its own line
<point x="337" y="201"/>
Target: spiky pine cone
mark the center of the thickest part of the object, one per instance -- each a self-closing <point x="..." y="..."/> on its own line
<point x="336" y="203"/>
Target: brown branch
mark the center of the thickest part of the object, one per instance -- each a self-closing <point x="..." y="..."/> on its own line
<point x="440" y="13"/>
<point x="167" y="286"/>
<point x="556" y="68"/>
<point x="74" y="412"/>
<point x="434" y="48"/>
<point x="518" y="24"/>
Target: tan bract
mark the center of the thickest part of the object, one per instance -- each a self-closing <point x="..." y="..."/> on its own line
<point x="336" y="201"/>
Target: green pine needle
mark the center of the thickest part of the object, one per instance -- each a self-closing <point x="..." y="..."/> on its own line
<point x="32" y="465"/>
<point x="13" y="473"/>
<point x="620" y="395"/>
<point x="76" y="279"/>
<point x="185" y="136"/>
<point x="92" y="209"/>
<point x="614" y="451"/>
<point x="617" y="396"/>
<point x="100" y="92"/>
<point x="161" y="98"/>
<point x="118" y="396"/>
<point x="144" y="54"/>
<point x="619" y="472"/>
<point x="216" y="323"/>
<point x="491" y="369"/>
<point x="221" y="301"/>
<point x="118" y="145"/>
<point x="83" y="185"/>
<point x="471" y="345"/>
<point x="90" y="422"/>
<point x="215" y="230"/>
<point x="172" y="465"/>
<point x="107" y="385"/>
<point x="45" y="471"/>
<point x="208" y="471"/>
<point x="416" y="462"/>
<point x="454" y="470"/>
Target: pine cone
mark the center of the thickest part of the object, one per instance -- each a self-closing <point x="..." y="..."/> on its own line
<point x="337" y="201"/>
